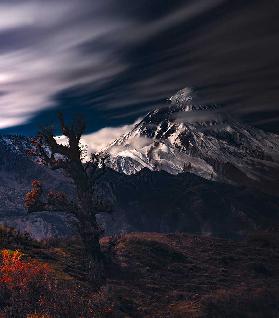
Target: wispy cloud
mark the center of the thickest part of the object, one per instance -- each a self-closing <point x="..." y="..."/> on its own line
<point x="126" y="57"/>
<point x="49" y="59"/>
<point x="97" y="141"/>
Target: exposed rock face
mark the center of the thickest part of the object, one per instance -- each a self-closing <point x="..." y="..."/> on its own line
<point x="41" y="225"/>
<point x="186" y="136"/>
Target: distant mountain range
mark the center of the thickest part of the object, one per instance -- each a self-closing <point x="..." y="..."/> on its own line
<point x="184" y="167"/>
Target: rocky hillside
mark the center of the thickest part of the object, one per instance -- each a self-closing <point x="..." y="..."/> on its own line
<point x="17" y="171"/>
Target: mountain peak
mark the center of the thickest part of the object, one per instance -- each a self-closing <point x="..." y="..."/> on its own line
<point x="188" y="100"/>
<point x="182" y="97"/>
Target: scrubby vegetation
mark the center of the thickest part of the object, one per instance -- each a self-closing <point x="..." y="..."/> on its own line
<point x="30" y="288"/>
<point x="33" y="283"/>
<point x="148" y="275"/>
<point x="32" y="200"/>
<point x="54" y="201"/>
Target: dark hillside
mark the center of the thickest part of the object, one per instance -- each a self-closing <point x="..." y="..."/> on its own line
<point x="160" y="202"/>
<point x="154" y="275"/>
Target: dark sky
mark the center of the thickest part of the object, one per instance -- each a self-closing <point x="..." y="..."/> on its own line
<point x="114" y="60"/>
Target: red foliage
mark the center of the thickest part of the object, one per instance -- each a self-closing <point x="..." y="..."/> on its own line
<point x="18" y="274"/>
<point x="23" y="284"/>
<point x="32" y="199"/>
<point x="30" y="286"/>
<point x="56" y="201"/>
<point x="36" y="184"/>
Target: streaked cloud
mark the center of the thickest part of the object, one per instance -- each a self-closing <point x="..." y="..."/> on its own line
<point x="118" y="59"/>
<point x="49" y="59"/>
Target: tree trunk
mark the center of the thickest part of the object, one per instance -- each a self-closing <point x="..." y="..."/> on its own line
<point x="90" y="234"/>
<point x="88" y="227"/>
<point x="71" y="163"/>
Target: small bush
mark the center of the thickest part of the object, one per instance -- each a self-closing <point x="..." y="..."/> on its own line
<point x="32" y="200"/>
<point x="23" y="283"/>
<point x="29" y="288"/>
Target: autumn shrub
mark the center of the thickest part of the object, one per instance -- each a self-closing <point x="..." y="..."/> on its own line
<point x="35" y="200"/>
<point x="32" y="200"/>
<point x="30" y="288"/>
<point x="23" y="283"/>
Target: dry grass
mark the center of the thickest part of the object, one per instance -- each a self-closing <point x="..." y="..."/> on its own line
<point x="190" y="276"/>
<point x="156" y="275"/>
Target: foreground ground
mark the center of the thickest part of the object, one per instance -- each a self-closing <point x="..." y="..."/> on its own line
<point x="154" y="275"/>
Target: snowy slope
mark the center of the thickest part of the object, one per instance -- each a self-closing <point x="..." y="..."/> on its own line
<point x="186" y="136"/>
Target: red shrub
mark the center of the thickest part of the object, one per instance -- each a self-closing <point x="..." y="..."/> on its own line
<point x="18" y="274"/>
<point x="32" y="199"/>
<point x="29" y="288"/>
<point x="23" y="284"/>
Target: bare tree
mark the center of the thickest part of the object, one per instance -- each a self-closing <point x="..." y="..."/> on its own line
<point x="69" y="158"/>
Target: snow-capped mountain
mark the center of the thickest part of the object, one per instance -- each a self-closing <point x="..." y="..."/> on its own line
<point x="183" y="137"/>
<point x="187" y="136"/>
